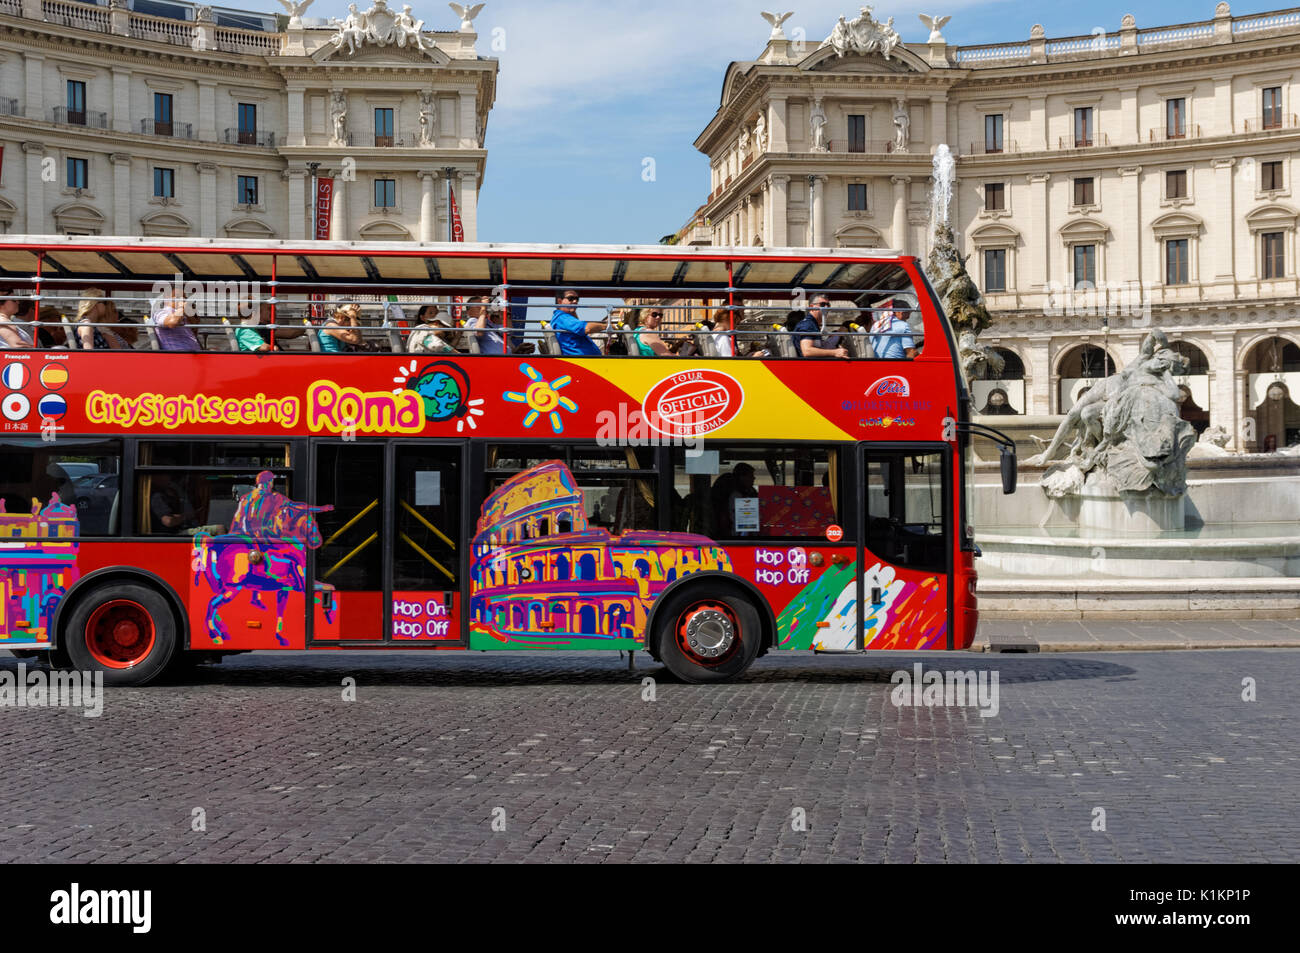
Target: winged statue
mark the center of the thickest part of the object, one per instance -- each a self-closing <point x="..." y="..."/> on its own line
<point x="934" y="23"/>
<point x="296" y="10"/>
<point x="467" y="14"/>
<point x="776" y="19"/>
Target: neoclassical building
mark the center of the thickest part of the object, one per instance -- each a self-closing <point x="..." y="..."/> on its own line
<point x="156" y="117"/>
<point x="1104" y="184"/>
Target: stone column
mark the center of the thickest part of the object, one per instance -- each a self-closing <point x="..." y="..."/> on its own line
<point x="746" y="219"/>
<point x="339" y="212"/>
<point x="467" y="130"/>
<point x="1223" y="386"/>
<point x="1039" y="400"/>
<point x="207" y="125"/>
<point x="776" y="134"/>
<point x="1037" y="123"/>
<point x="1129" y="130"/>
<point x="121" y="114"/>
<point x="898" y="228"/>
<point x="34" y="200"/>
<point x="1128" y="267"/>
<point x="1223" y="118"/>
<point x="766" y="188"/>
<point x="34" y="68"/>
<point x="938" y="122"/>
<point x="428" y="209"/>
<point x="818" y="209"/>
<point x="778" y="215"/>
<point x="467" y="199"/>
<point x="1038" y="236"/>
<point x="297" y="135"/>
<point x="207" y="199"/>
<point x="298" y="212"/>
<point x="1223" y="231"/>
<point x="121" y="193"/>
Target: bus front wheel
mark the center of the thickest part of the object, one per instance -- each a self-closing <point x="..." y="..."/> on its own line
<point x="706" y="637"/>
<point x="124" y="630"/>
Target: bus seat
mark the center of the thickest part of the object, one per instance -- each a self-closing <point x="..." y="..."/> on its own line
<point x="153" y="337"/>
<point x="858" y="344"/>
<point x="312" y="335"/>
<point x="70" y="332"/>
<point x="230" y="334"/>
<point x="704" y="340"/>
<point x="629" y="340"/>
<point x="782" y="342"/>
<point x="549" y="344"/>
<point x="394" y="334"/>
<point x="470" y="336"/>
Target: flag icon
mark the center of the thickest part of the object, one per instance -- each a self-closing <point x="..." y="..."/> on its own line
<point x="53" y="376"/>
<point x="52" y="406"/>
<point x="15" y="406"/>
<point x="15" y="376"/>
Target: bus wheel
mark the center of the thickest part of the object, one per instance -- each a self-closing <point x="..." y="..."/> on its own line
<point x="708" y="638"/>
<point x="125" y="631"/>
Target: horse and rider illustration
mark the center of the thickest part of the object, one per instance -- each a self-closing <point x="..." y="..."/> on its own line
<point x="265" y="551"/>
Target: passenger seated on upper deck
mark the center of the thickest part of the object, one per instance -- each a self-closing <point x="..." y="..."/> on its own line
<point x="891" y="335"/>
<point x="14" y="331"/>
<point x="429" y="337"/>
<point x="648" y="341"/>
<point x="808" y="332"/>
<point x="483" y="321"/>
<point x="174" y="332"/>
<point x="249" y="336"/>
<point x="93" y="312"/>
<point x="341" y="332"/>
<point x="572" y="332"/>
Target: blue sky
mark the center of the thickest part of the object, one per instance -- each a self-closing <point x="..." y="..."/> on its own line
<point x="588" y="89"/>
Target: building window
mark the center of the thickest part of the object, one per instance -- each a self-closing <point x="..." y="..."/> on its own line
<point x="995" y="270"/>
<point x="383" y="127"/>
<point x="1270" y="176"/>
<point x="857" y="133"/>
<point x="78" y="173"/>
<point x="164" y="183"/>
<point x="1085" y="266"/>
<point x="248" y="123"/>
<point x="162" y="114"/>
<point x="1176" y="184"/>
<point x="1271" y="250"/>
<point x="76" y="102"/>
<point x="1176" y="261"/>
<point x="857" y="197"/>
<point x="385" y="193"/>
<point x="1273" y="108"/>
<point x="1175" y="118"/>
<point x="246" y="190"/>
<point x="995" y="196"/>
<point x="1083" y="126"/>
<point x="993" y="133"/>
<point x="1085" y="192"/>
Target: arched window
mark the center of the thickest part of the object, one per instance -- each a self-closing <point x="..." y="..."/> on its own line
<point x="587" y="566"/>
<point x="562" y="567"/>
<point x="587" y="621"/>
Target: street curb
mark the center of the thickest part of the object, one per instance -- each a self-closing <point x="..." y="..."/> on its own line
<point x="1013" y="648"/>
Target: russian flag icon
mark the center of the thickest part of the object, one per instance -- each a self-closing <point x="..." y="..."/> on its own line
<point x="52" y="406"/>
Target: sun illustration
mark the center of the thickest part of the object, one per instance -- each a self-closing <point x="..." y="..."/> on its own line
<point x="443" y="389"/>
<point x="541" y="398"/>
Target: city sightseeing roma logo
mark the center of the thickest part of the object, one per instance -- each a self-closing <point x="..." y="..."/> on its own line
<point x="693" y="403"/>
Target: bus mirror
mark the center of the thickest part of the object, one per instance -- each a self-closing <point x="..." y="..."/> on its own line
<point x="1008" y="462"/>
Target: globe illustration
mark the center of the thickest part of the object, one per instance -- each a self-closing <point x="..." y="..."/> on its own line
<point x="441" y="393"/>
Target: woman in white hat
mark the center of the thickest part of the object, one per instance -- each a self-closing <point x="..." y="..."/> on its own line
<point x="94" y="311"/>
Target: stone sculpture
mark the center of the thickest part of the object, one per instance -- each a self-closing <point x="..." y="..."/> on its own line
<point x="935" y="24"/>
<point x="776" y="19"/>
<point x="339" y="116"/>
<point x="863" y="35"/>
<point x="902" y="126"/>
<point x="295" y="9"/>
<point x="817" y="126"/>
<point x="467" y="14"/>
<point x="379" y="26"/>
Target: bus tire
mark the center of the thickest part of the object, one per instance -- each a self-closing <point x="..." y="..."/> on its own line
<point x="124" y="630"/>
<point x="707" y="636"/>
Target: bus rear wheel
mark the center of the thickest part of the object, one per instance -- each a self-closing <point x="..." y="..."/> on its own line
<point x="708" y="637"/>
<point x="126" y="631"/>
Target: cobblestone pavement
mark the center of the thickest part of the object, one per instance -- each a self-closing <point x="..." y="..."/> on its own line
<point x="583" y="769"/>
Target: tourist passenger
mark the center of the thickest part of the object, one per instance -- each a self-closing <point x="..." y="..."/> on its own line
<point x="483" y="320"/>
<point x="891" y="335"/>
<point x="174" y="332"/>
<point x="249" y="336"/>
<point x="808" y="332"/>
<point x="341" y="332"/>
<point x="15" y="332"/>
<point x="572" y="333"/>
<point x="430" y="336"/>
<point x="93" y="312"/>
<point x="648" y="341"/>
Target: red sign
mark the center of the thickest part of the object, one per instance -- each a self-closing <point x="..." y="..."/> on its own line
<point x="457" y="227"/>
<point x="693" y="403"/>
<point x="834" y="533"/>
<point x="324" y="203"/>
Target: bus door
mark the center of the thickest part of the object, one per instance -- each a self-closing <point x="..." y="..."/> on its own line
<point x="389" y="564"/>
<point x="907" y="543"/>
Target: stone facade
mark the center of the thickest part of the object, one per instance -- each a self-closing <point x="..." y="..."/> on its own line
<point x="1155" y="165"/>
<point x="115" y="122"/>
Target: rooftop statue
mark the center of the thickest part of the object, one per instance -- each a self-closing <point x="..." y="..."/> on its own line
<point x="380" y="26"/>
<point x="863" y="35"/>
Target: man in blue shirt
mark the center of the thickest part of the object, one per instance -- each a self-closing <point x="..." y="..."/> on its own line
<point x="808" y="332"/>
<point x="891" y="335"/>
<point x="570" y="330"/>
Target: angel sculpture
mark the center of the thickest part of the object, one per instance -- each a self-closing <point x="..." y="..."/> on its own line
<point x="295" y="9"/>
<point x="776" y="19"/>
<point x="467" y="14"/>
<point x="934" y="23"/>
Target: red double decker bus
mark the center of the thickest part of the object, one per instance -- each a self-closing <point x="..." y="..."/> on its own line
<point x="403" y="487"/>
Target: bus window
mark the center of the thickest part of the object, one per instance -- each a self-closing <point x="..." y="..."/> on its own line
<point x="905" y="508"/>
<point x="192" y="487"/>
<point x="85" y="474"/>
<point x="756" y="492"/>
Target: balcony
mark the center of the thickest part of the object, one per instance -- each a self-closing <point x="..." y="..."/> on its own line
<point x="360" y="141"/>
<point x="78" y="117"/>
<point x="249" y="137"/>
<point x="1177" y="134"/>
<point x="174" y="130"/>
<point x="987" y="149"/>
<point x="1271" y="125"/>
<point x="1096" y="140"/>
<point x="10" y="106"/>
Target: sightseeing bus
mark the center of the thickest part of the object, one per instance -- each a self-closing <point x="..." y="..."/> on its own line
<point x="729" y="498"/>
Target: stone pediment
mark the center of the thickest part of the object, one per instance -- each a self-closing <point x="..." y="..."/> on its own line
<point x="901" y="61"/>
<point x="396" y="56"/>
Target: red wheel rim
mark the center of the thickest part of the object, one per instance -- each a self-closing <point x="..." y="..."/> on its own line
<point x="708" y="633"/>
<point x="120" y="634"/>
